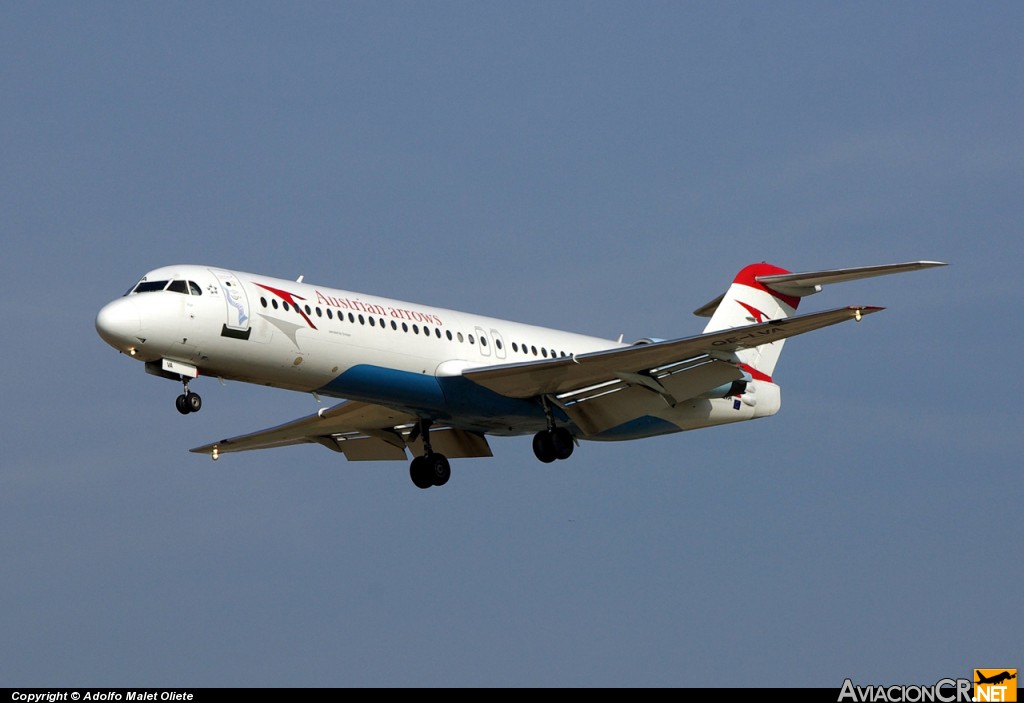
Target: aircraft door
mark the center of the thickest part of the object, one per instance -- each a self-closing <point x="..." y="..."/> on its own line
<point x="483" y="345"/>
<point x="499" y="344"/>
<point x="237" y="304"/>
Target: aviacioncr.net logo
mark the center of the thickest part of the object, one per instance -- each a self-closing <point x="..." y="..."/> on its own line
<point x="944" y="691"/>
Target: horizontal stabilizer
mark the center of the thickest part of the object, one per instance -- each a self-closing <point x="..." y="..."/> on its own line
<point x="799" y="285"/>
<point x="802" y="284"/>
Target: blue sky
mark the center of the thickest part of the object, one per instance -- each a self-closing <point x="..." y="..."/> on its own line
<point x="599" y="167"/>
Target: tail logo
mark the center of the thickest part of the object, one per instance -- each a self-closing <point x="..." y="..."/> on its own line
<point x="757" y="314"/>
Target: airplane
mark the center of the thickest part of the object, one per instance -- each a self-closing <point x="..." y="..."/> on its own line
<point x="997" y="679"/>
<point x="436" y="382"/>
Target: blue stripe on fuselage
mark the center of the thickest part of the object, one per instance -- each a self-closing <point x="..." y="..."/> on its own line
<point x="467" y="404"/>
<point x="376" y="384"/>
<point x="451" y="398"/>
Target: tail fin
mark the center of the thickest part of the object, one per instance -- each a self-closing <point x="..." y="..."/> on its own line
<point x="762" y="292"/>
<point x="747" y="302"/>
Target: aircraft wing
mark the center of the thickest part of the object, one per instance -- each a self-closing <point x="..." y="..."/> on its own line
<point x="361" y="431"/>
<point x="635" y="364"/>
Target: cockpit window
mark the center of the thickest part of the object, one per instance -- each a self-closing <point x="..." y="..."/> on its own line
<point x="184" y="287"/>
<point x="150" y="286"/>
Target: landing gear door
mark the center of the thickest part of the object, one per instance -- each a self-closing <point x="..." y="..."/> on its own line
<point x="236" y="301"/>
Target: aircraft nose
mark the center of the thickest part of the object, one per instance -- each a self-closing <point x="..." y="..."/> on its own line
<point x="118" y="323"/>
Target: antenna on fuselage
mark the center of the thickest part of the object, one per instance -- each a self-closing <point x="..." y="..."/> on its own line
<point x="299" y="279"/>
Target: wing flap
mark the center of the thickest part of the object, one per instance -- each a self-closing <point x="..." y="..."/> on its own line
<point x="332" y="424"/>
<point x="556" y="376"/>
<point x="370" y="449"/>
<point x="360" y="431"/>
<point x="454" y="443"/>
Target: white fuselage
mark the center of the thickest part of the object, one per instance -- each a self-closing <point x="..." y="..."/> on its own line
<point x="289" y="334"/>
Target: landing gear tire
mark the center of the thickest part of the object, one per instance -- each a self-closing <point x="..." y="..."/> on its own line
<point x="420" y="473"/>
<point x="562" y="443"/>
<point x="439" y="469"/>
<point x="182" y="404"/>
<point x="188" y="403"/>
<point x="543" y="447"/>
<point x="549" y="445"/>
<point x="430" y="470"/>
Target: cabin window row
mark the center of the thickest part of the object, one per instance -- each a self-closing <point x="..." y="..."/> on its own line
<point x="406" y="327"/>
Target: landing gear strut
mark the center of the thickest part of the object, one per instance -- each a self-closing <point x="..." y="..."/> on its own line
<point x="431" y="469"/>
<point x="188" y="402"/>
<point x="554" y="442"/>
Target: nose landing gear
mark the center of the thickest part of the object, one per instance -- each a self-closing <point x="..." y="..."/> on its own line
<point x="188" y="402"/>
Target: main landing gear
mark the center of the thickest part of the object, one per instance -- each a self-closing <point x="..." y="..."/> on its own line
<point x="554" y="442"/>
<point x="431" y="469"/>
<point x="188" y="402"/>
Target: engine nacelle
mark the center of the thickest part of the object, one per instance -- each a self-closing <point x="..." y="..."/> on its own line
<point x="648" y="340"/>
